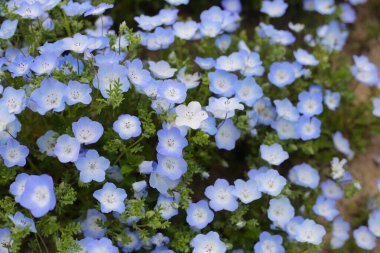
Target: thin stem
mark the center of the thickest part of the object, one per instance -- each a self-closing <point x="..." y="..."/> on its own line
<point x="43" y="243"/>
<point x="38" y="243"/>
<point x="129" y="147"/>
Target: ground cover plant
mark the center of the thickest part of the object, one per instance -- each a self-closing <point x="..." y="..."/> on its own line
<point x="191" y="127"/>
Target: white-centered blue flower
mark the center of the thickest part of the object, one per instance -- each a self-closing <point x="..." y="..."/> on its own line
<point x="111" y="198"/>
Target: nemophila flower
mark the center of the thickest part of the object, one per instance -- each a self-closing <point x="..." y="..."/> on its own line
<point x="127" y="126"/>
<point x="209" y="242"/>
<point x="252" y="64"/>
<point x="337" y="168"/>
<point x="332" y="36"/>
<point x="374" y="222"/>
<point x="13" y="153"/>
<point x="273" y="154"/>
<point x="114" y="173"/>
<point x="70" y="65"/>
<point x="45" y="64"/>
<point x="364" y="238"/>
<point x="269" y="244"/>
<point x="310" y="104"/>
<point x="161" y="69"/>
<point x="231" y="63"/>
<point x="209" y="125"/>
<point x="110" y="77"/>
<point x="281" y="74"/>
<point x="227" y="135"/>
<point x="10" y="131"/>
<point x="146" y="167"/>
<point x="280" y="211"/>
<point x="171" y="166"/>
<point x="246" y="191"/>
<point x="46" y="142"/>
<point x="161" y="183"/>
<point x="78" y="43"/>
<point x="67" y="149"/>
<point x="270" y="182"/>
<point x="77" y="92"/>
<point x="137" y="75"/>
<point x="161" y="105"/>
<point x="173" y="91"/>
<point x="168" y="206"/>
<point x="21" y="222"/>
<point x="223" y="42"/>
<point x="305" y="58"/>
<point x="332" y="100"/>
<point x="308" y="128"/>
<point x="18" y="186"/>
<point x="50" y="96"/>
<point x="221" y="197"/>
<point x="205" y="63"/>
<point x="87" y="131"/>
<point x="364" y="71"/>
<point x="248" y="91"/>
<point x="223" y="108"/>
<point x="304" y="175"/>
<point x="325" y="208"/>
<point x="92" y="166"/>
<point x="210" y="29"/>
<point x="159" y="240"/>
<point x="274" y="8"/>
<point x="199" y="214"/>
<point x="178" y="2"/>
<point x="8" y="29"/>
<point x="310" y="232"/>
<point x="139" y="189"/>
<point x="185" y="30"/>
<point x="296" y="27"/>
<point x="148" y="23"/>
<point x="222" y="82"/>
<point x="292" y="225"/>
<point x="111" y="198"/>
<point x="286" y="110"/>
<point x="171" y="142"/>
<point x="190" y="80"/>
<point x="5" y="240"/>
<point x="342" y="144"/>
<point x="5" y="118"/>
<point x="191" y="115"/>
<point x="38" y="195"/>
<point x="135" y="242"/>
<point x="29" y="10"/>
<point x="341" y="229"/>
<point x="168" y="16"/>
<point x="48" y="24"/>
<point x="20" y="66"/>
<point x="91" y="227"/>
<point x="331" y="190"/>
<point x="285" y="129"/>
<point x="232" y="5"/>
<point x="348" y="14"/>
<point x="75" y="9"/>
<point x="325" y="7"/>
<point x="98" y="10"/>
<point x="13" y="100"/>
<point x="103" y="245"/>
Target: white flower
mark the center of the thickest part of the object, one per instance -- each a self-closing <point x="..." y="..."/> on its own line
<point x="191" y="115"/>
<point x="337" y="167"/>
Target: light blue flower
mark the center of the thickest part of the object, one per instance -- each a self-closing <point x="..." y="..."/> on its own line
<point x="21" y="65"/>
<point x="209" y="242"/>
<point x="273" y="154"/>
<point x="348" y="14"/>
<point x="103" y="245"/>
<point x="127" y="126"/>
<point x="304" y="175"/>
<point x="246" y="191"/>
<point x="38" y="195"/>
<point x="161" y="69"/>
<point x="280" y="211"/>
<point x="111" y="198"/>
<point x="331" y="190"/>
<point x="222" y="83"/>
<point x="67" y="149"/>
<point x="45" y="63"/>
<point x="29" y="11"/>
<point x="205" y="63"/>
<point x="310" y="104"/>
<point x="5" y="240"/>
<point x="110" y="75"/>
<point x="308" y="128"/>
<point x="341" y="229"/>
<point x="13" y="153"/>
<point x="161" y="183"/>
<point x="374" y="222"/>
<point x="75" y="9"/>
<point x="91" y="227"/>
<point x="365" y="71"/>
<point x="269" y="181"/>
<point x="231" y="63"/>
<point x="223" y="108"/>
<point x="342" y="144"/>
<point x="221" y="197"/>
<point x="325" y="208"/>
<point x="199" y="214"/>
<point x="21" y="221"/>
<point x="274" y="8"/>
<point x="269" y="243"/>
<point x="281" y="74"/>
<point x="46" y="142"/>
<point x="332" y="100"/>
<point x="325" y="7"/>
<point x="92" y="166"/>
<point x="167" y="205"/>
<point x="305" y="58"/>
<point x="87" y="131"/>
<point x="248" y="91"/>
<point x="14" y="100"/>
<point x="137" y="75"/>
<point x="286" y="110"/>
<point x="18" y="186"/>
<point x="310" y="232"/>
<point x="227" y="135"/>
<point x="173" y="91"/>
<point x="285" y="129"/>
<point x="171" y="142"/>
<point x="77" y="92"/>
<point x="98" y="10"/>
<point x="185" y="30"/>
<point x="364" y="238"/>
<point x="8" y="29"/>
<point x="223" y="42"/>
<point x="171" y="167"/>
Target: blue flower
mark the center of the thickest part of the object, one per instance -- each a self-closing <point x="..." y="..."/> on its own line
<point x="178" y="2"/>
<point x="127" y="126"/>
<point x="205" y="63"/>
<point x="111" y="198"/>
<point x="227" y="135"/>
<point x="223" y="108"/>
<point x="273" y="154"/>
<point x="13" y="153"/>
<point x="310" y="232"/>
<point x="11" y="130"/>
<point x="171" y="166"/>
<point x="67" y="149"/>
<point x="199" y="214"/>
<point x="246" y="191"/>
<point x="38" y="195"/>
<point x="348" y="14"/>
<point x="168" y="16"/>
<point x="45" y="64"/>
<point x="134" y="244"/>
<point x="209" y="125"/>
<point x="20" y="66"/>
<point x="137" y="75"/>
<point x="325" y="7"/>
<point x="269" y="243"/>
<point x="275" y="8"/>
<point x="5" y="118"/>
<point x="168" y="205"/>
<point x="222" y="82"/>
<point x="270" y="181"/>
<point x="173" y="91"/>
<point x="231" y="63"/>
<point x="332" y="100"/>
<point x="341" y="229"/>
<point x="29" y="11"/>
<point x="161" y="69"/>
<point x="280" y="211"/>
<point x="292" y="226"/>
<point x="342" y="144"/>
<point x="248" y="91"/>
<point x="253" y="64"/>
<point x="310" y="104"/>
<point x="77" y="92"/>
<point x="305" y="58"/>
<point x="21" y="221"/>
<point x="223" y="42"/>
<point x="190" y="80"/>
<point x="109" y="76"/>
<point x="209" y="242"/>
<point x="286" y="109"/>
<point x="365" y="71"/>
<point x="221" y="197"/>
<point x="75" y="8"/>
<point x="161" y="183"/>
<point x="8" y="29"/>
<point x="18" y="186"/>
<point x="87" y="131"/>
<point x="304" y="175"/>
<point x="98" y="10"/>
<point x="102" y="245"/>
<point x="91" y="227"/>
<point x="185" y="30"/>
<point x="92" y="167"/>
<point x="78" y="44"/>
<point x="46" y="142"/>
<point x="210" y="29"/>
<point x="14" y="100"/>
<point x="5" y="240"/>
<point x="325" y="208"/>
<point x="285" y="129"/>
<point x="171" y="142"/>
<point x="50" y="96"/>
<point x="331" y="190"/>
<point x="281" y="74"/>
<point x="308" y="128"/>
<point x="364" y="238"/>
<point x="374" y="222"/>
<point x="232" y="5"/>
